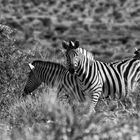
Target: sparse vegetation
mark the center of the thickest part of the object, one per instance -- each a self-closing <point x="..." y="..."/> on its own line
<point x="110" y="29"/>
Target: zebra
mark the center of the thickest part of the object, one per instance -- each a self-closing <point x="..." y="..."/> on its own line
<point x="117" y="78"/>
<point x="93" y="89"/>
<point x="137" y="53"/>
<point x="53" y="74"/>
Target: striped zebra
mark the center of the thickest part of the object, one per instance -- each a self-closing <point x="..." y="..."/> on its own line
<point x="137" y="53"/>
<point x="117" y="78"/>
<point x="53" y="75"/>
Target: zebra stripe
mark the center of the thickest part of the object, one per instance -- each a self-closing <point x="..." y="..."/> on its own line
<point x="116" y="78"/>
<point x="53" y="75"/>
<point x="87" y="72"/>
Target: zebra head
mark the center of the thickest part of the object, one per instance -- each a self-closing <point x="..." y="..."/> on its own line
<point x="137" y="53"/>
<point x="33" y="82"/>
<point x="71" y="54"/>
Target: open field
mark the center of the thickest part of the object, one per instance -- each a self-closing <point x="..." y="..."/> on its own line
<point x="110" y="29"/>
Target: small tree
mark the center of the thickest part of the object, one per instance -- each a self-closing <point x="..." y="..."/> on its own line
<point x="12" y="68"/>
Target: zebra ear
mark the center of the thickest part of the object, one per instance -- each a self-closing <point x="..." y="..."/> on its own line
<point x="136" y="51"/>
<point x="31" y="66"/>
<point x="76" y="44"/>
<point x="71" y="45"/>
<point x="65" y="44"/>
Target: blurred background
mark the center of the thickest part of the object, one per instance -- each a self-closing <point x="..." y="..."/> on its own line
<point x="108" y="28"/>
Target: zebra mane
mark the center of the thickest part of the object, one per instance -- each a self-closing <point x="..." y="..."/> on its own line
<point x="90" y="56"/>
<point x="86" y="53"/>
<point x="40" y="62"/>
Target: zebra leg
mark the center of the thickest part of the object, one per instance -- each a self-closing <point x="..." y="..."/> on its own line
<point x="64" y="98"/>
<point x="94" y="99"/>
<point x="138" y="102"/>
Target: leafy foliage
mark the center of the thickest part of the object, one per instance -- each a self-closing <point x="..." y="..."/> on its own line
<point x="12" y="72"/>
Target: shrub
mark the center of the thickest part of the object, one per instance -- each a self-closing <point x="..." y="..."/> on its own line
<point x="12" y="69"/>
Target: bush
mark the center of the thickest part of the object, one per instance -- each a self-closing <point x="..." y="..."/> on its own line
<point x="39" y="117"/>
<point x="12" y="69"/>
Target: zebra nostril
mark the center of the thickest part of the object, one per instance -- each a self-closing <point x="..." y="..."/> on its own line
<point x="71" y="70"/>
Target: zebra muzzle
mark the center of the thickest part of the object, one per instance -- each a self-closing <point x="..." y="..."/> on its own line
<point x="71" y="70"/>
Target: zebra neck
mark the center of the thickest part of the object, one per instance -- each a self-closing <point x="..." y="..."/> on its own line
<point x="84" y="69"/>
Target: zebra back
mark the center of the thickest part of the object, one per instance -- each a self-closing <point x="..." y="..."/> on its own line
<point x="44" y="71"/>
<point x="53" y="75"/>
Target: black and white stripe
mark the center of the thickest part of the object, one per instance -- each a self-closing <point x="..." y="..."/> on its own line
<point x="53" y="75"/>
<point x="86" y="70"/>
<point x="117" y="78"/>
